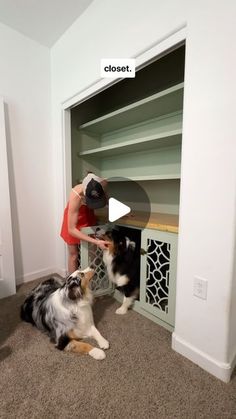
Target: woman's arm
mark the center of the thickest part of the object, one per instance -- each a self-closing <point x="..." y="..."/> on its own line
<point x="73" y="212"/>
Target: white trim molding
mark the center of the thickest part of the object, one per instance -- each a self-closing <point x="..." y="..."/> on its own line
<point x="219" y="369"/>
<point x="143" y="58"/>
<point x="40" y="275"/>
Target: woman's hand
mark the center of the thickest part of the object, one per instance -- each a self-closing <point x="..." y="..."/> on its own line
<point x="102" y="244"/>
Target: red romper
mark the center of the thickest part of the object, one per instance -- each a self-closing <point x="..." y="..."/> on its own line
<point x="86" y="218"/>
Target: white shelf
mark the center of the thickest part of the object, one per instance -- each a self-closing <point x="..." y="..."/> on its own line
<point x="168" y="138"/>
<point x="142" y="165"/>
<point x="142" y="178"/>
<point x="164" y="102"/>
<point x="139" y="142"/>
<point x="145" y="178"/>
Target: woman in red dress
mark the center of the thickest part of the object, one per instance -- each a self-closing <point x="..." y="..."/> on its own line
<point x="79" y="212"/>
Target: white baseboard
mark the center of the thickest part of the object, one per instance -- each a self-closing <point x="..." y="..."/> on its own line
<point x="219" y="369"/>
<point x="61" y="272"/>
<point x="40" y="274"/>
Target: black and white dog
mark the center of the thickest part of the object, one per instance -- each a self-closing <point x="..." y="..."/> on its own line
<point x="62" y="309"/>
<point x="122" y="261"/>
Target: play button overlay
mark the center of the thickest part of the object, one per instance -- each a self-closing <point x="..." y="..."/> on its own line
<point x="131" y="198"/>
<point x="129" y="206"/>
<point x="117" y="209"/>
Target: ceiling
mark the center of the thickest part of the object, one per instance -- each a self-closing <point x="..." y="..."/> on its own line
<point x="41" y="20"/>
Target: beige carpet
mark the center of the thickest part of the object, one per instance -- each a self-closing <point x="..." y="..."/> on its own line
<point x="141" y="376"/>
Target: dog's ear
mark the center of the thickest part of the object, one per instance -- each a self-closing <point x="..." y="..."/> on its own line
<point x="89" y="275"/>
<point x="86" y="278"/>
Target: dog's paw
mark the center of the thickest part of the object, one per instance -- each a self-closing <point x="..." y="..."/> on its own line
<point x="122" y="280"/>
<point x="121" y="310"/>
<point x="103" y="343"/>
<point x="97" y="354"/>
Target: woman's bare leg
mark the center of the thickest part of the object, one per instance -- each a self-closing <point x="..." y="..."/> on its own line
<point x="73" y="254"/>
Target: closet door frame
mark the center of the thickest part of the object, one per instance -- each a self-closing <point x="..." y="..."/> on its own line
<point x="153" y="52"/>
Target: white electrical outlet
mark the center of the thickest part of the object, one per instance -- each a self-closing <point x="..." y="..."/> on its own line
<point x="200" y="287"/>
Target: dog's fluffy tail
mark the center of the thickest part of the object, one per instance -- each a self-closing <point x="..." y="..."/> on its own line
<point x="26" y="310"/>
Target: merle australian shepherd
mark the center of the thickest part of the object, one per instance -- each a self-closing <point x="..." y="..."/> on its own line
<point x="122" y="261"/>
<point x="62" y="309"/>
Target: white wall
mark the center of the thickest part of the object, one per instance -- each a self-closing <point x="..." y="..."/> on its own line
<point x="232" y="312"/>
<point x="123" y="29"/>
<point x="208" y="186"/>
<point x="25" y="87"/>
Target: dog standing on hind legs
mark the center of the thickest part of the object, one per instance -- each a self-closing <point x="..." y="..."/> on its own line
<point x="122" y="261"/>
<point x="63" y="310"/>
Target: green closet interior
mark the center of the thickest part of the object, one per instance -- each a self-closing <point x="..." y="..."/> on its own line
<point x="133" y="130"/>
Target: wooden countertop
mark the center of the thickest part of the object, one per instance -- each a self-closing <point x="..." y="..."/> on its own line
<point x="157" y="221"/>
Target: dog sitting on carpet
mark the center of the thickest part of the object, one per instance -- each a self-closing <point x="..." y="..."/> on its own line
<point x="62" y="309"/>
<point x="122" y="261"/>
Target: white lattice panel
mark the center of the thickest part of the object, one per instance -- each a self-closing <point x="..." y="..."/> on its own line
<point x="158" y="273"/>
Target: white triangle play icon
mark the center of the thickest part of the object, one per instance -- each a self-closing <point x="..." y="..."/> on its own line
<point x="117" y="209"/>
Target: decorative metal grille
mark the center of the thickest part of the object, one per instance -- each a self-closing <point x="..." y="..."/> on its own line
<point x="158" y="273"/>
<point x="100" y="280"/>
